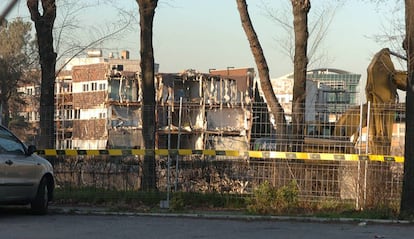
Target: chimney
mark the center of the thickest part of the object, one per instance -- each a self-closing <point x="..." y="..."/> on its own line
<point x="125" y="54"/>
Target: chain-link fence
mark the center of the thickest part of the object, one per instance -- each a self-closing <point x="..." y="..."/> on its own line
<point x="364" y="183"/>
<point x="321" y="168"/>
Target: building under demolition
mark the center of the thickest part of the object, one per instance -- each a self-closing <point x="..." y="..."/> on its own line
<point x="205" y="110"/>
<point x="99" y="106"/>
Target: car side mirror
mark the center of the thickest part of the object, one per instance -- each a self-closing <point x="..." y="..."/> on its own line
<point x="31" y="149"/>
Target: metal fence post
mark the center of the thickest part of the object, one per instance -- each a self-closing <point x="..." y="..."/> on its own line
<point x="178" y="144"/>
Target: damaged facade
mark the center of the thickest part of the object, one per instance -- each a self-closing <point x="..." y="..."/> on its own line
<point x="205" y="111"/>
<point x="97" y="103"/>
<point x="98" y="106"/>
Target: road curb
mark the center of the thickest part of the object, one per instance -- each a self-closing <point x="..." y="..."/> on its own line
<point x="207" y="215"/>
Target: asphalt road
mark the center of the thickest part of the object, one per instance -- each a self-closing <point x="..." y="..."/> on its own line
<point x="19" y="224"/>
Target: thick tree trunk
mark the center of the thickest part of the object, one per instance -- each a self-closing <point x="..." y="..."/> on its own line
<point x="5" y="112"/>
<point x="4" y="92"/>
<point x="273" y="103"/>
<point x="147" y="12"/>
<point x="300" y="25"/>
<point x="407" y="197"/>
<point x="44" y="27"/>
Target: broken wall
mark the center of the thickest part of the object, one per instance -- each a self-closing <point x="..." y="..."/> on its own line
<point x="125" y="126"/>
<point x="125" y="138"/>
<point x="227" y="120"/>
<point x="123" y="89"/>
<point x="215" y="111"/>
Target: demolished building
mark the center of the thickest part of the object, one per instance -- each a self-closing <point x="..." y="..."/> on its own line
<point x="205" y="111"/>
<point x="99" y="104"/>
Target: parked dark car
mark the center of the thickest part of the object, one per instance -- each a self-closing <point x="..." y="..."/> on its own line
<point x="25" y="177"/>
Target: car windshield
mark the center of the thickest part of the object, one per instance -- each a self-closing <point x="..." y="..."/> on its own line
<point x="9" y="144"/>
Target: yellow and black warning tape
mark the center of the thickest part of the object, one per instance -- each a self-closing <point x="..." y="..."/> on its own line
<point x="229" y="153"/>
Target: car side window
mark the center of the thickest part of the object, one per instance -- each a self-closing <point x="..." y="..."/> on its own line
<point x="9" y="144"/>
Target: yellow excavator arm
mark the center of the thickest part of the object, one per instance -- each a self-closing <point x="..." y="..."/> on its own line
<point x="381" y="91"/>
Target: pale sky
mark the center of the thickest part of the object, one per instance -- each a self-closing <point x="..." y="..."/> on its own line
<point x="204" y="34"/>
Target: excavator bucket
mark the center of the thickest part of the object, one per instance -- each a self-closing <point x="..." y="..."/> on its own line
<point x="380" y="87"/>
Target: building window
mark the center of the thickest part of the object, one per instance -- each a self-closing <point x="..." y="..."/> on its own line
<point x="37" y="90"/>
<point x="32" y="116"/>
<point x="102" y="115"/>
<point x="65" y="87"/>
<point x="68" y="114"/>
<point x="77" y="114"/>
<point x="85" y="87"/>
<point x="94" y="86"/>
<point x="68" y="144"/>
<point x="59" y="114"/>
<point x="29" y="91"/>
<point x="102" y="86"/>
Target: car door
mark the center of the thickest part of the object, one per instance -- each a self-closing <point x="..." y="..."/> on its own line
<point x="3" y="189"/>
<point x="19" y="171"/>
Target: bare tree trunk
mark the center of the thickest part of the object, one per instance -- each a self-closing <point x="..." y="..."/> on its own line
<point x="147" y="12"/>
<point x="44" y="21"/>
<point x="6" y="112"/>
<point x="407" y="197"/>
<point x="300" y="24"/>
<point x="5" y="92"/>
<point x="273" y="103"/>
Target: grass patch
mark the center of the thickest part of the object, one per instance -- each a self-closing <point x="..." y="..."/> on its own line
<point x="265" y="200"/>
<point x="189" y="201"/>
<point x="140" y="200"/>
<point x="111" y="198"/>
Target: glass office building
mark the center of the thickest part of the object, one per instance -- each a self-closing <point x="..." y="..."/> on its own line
<point x="329" y="92"/>
<point x="343" y="84"/>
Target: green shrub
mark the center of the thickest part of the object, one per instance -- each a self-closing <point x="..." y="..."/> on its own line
<point x="177" y="202"/>
<point x="269" y="200"/>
